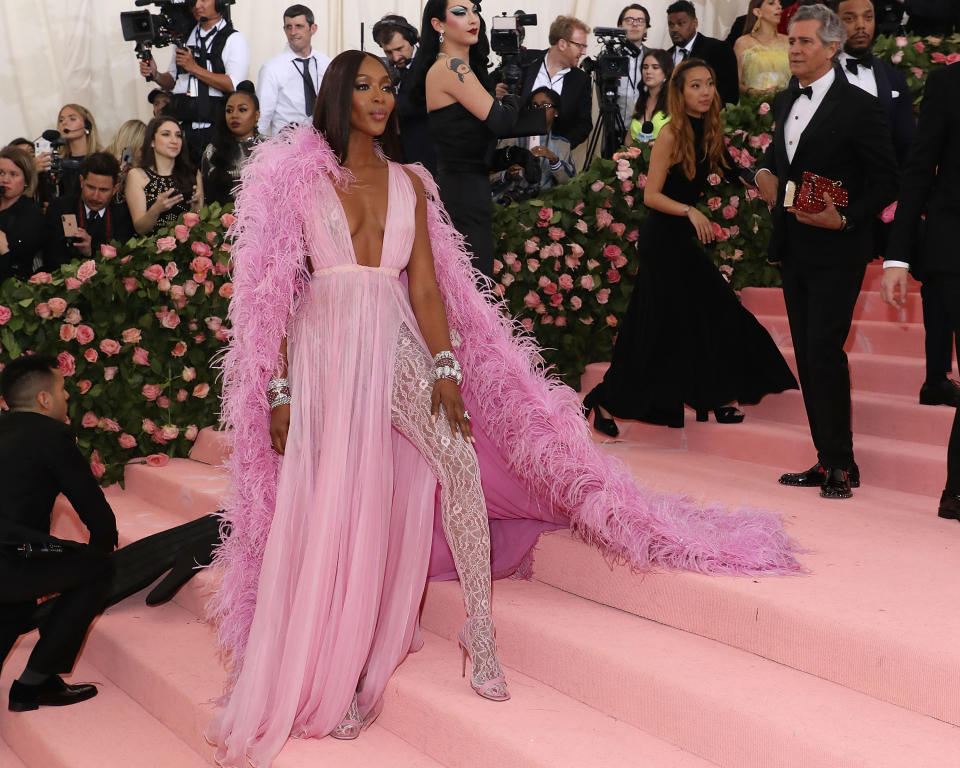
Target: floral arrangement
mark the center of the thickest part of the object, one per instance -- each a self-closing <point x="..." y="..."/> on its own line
<point x="134" y="331"/>
<point x="916" y="56"/>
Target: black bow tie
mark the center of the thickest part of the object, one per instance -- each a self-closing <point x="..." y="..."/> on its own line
<point x="797" y="91"/>
<point x="864" y="61"/>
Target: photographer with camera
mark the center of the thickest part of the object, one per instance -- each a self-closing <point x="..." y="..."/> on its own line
<point x="557" y="69"/>
<point x="215" y="59"/>
<point x="635" y="19"/>
<point x="399" y="41"/>
<point x="76" y="226"/>
<point x="21" y="220"/>
<point x="60" y="153"/>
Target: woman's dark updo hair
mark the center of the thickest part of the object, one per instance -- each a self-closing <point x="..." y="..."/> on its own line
<point x="331" y="114"/>
<point x="430" y="47"/>
<point x="184" y="174"/>
<point x="226" y="149"/>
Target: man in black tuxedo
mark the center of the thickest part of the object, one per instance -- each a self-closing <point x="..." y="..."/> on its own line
<point x="99" y="220"/>
<point x="836" y="130"/>
<point x="688" y="43"/>
<point x="931" y="178"/>
<point x="399" y="40"/>
<point x="38" y="460"/>
<point x="862" y="68"/>
<point x="557" y="68"/>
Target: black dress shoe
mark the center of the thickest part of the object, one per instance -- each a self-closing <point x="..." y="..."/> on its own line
<point x="724" y="414"/>
<point x="51" y="693"/>
<point x="836" y="484"/>
<point x="949" y="506"/>
<point x="814" y="477"/>
<point x="946" y="392"/>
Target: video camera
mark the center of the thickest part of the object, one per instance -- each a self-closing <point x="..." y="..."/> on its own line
<point x="54" y="140"/>
<point x="611" y="64"/>
<point x="506" y="40"/>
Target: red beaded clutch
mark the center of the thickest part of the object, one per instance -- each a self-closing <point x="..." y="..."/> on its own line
<point x="809" y="197"/>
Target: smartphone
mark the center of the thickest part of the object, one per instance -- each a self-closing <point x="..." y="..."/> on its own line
<point x="40" y="146"/>
<point x="69" y="221"/>
<point x="127" y="157"/>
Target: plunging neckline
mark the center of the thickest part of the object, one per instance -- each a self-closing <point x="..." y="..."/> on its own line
<point x="386" y="224"/>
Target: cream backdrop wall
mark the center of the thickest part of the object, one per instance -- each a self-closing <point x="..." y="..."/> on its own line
<point x="57" y="51"/>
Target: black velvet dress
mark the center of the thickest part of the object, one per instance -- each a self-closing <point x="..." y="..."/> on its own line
<point x="686" y="338"/>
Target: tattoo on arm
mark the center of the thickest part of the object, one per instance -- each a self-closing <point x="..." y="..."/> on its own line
<point x="460" y="67"/>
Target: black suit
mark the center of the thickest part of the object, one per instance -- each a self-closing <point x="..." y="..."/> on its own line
<point x="931" y="178"/>
<point x="22" y="223"/>
<point x="414" y="128"/>
<point x="847" y="140"/>
<point x="114" y="223"/>
<point x="721" y="57"/>
<point x="39" y="459"/>
<point x="576" y="114"/>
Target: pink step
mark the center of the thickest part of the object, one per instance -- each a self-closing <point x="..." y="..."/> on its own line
<point x="726" y="705"/>
<point x="437" y="718"/>
<point x="872" y="336"/>
<point x="870" y="306"/>
<point x="109" y="730"/>
<point x="8" y="758"/>
<point x="189" y="487"/>
<point x="871" y="281"/>
<point x="210" y="447"/>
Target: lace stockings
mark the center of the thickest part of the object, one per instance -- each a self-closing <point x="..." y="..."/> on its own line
<point x="465" y="523"/>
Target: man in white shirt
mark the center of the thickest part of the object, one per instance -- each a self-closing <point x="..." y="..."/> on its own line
<point x="635" y="19"/>
<point x="290" y="81"/>
<point x="202" y="74"/>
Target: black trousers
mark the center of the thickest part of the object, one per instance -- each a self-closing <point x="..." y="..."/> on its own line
<point x="820" y="298"/>
<point x="939" y="334"/>
<point x="82" y="579"/>
<point x="946" y="288"/>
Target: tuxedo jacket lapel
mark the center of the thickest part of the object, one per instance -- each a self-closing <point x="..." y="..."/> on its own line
<point x="822" y="116"/>
<point x="884" y="91"/>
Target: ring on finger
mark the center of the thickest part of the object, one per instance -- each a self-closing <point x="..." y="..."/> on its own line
<point x="466" y="414"/>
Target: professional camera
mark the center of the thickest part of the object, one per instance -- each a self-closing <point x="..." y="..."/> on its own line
<point x="611" y="64"/>
<point x="506" y="40"/>
<point x="57" y="163"/>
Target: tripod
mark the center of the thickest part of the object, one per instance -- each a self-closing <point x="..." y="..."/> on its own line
<point x="609" y="125"/>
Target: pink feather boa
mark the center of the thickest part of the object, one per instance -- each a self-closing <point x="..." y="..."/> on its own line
<point x="534" y="420"/>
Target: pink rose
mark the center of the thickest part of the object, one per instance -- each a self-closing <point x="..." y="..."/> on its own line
<point x="189" y="374"/>
<point x="91" y="355"/>
<point x="158" y="460"/>
<point x="545" y="214"/>
<point x="549" y="287"/>
<point x="228" y="220"/>
<point x="170" y="319"/>
<point x="556" y="300"/>
<point x="527" y="324"/>
<point x="597" y="185"/>
<point x="109" y="347"/>
<point x="58" y="306"/>
<point x="163" y="284"/>
<point x="556" y="233"/>
<point x="151" y="391"/>
<point x="531" y="246"/>
<point x="213" y="323"/>
<point x="576" y="302"/>
<point x="633" y="235"/>
<point x="181" y="232"/>
<point x="84" y="386"/>
<point x="86" y="270"/>
<point x="613" y="276"/>
<point x="72" y="316"/>
<point x="201" y="390"/>
<point x="603" y="296"/>
<point x="169" y="432"/>
<point x="108" y="251"/>
<point x="177" y="294"/>
<point x="89" y="420"/>
<point x="191" y="432"/>
<point x="604" y="219"/>
<point x="571" y="261"/>
<point x="919" y="46"/>
<point x="642" y="181"/>
<point x="68" y="365"/>
<point x="729" y="212"/>
<point x="226" y="290"/>
<point x="182" y="395"/>
<point x="171" y="270"/>
<point x="586" y="282"/>
<point x="516" y="266"/>
<point x="901" y="41"/>
<point x="41" y="278"/>
<point x="72" y="284"/>
<point x="222" y="334"/>
<point x="154" y="273"/>
<point x="619" y="262"/>
<point x="533" y="265"/>
<point x="191" y="219"/>
<point x="592" y="264"/>
<point x="889" y="213"/>
<point x="953" y="58"/>
<point x="618" y="228"/>
<point x="131" y="336"/>
<point x="565" y="282"/>
<point x="166" y="244"/>
<point x="918" y="73"/>
<point x="507" y="280"/>
<point x="96" y="465"/>
<point x="141" y="356"/>
<point x="163" y="401"/>
<point x="763" y="108"/>
<point x="108" y="425"/>
<point x="43" y="310"/>
<point x="626" y="186"/>
<point x="611" y="321"/>
<point x="611" y="251"/>
<point x="109" y="372"/>
<point x="200" y="338"/>
<point x="208" y="287"/>
<point x="127" y="441"/>
<point x="148" y="426"/>
<point x="714" y="203"/>
<point x="211" y="236"/>
<point x="581" y="226"/>
<point x="897" y="57"/>
<point x="203" y="251"/>
<point x="131" y="284"/>
<point x="67" y="332"/>
<point x="532" y="299"/>
<point x="561" y="321"/>
<point x="85" y="334"/>
<point x="179" y="349"/>
<point x="190" y="288"/>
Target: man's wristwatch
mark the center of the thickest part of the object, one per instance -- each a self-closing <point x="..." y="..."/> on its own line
<point x="843" y="222"/>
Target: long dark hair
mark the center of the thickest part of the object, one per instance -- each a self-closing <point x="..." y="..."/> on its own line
<point x="430" y="47"/>
<point x="331" y="114"/>
<point x="226" y="148"/>
<point x="184" y="174"/>
<point x="665" y="60"/>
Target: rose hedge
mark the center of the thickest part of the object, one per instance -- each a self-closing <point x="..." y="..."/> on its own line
<point x="565" y="262"/>
<point x="134" y="330"/>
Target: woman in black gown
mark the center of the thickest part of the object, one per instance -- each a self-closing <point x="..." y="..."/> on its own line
<point x="686" y="338"/>
<point x="465" y="119"/>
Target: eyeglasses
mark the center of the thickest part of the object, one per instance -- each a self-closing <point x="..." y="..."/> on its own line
<point x="582" y="46"/>
<point x="543" y="105"/>
<point x="635" y="21"/>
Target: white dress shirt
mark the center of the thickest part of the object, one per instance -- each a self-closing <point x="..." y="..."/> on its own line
<point x="803" y="110"/>
<point x="678" y="56"/>
<point x="236" y="62"/>
<point x="865" y="78"/>
<point x="543" y="78"/>
<point x="280" y="88"/>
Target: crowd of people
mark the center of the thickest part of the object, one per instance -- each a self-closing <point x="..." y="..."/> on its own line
<point x="322" y="575"/>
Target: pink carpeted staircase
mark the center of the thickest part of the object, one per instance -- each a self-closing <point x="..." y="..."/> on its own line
<point x="854" y="664"/>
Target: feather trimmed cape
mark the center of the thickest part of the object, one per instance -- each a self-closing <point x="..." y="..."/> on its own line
<point x="534" y="421"/>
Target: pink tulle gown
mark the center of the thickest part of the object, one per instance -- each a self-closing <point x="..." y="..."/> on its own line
<point x="347" y="555"/>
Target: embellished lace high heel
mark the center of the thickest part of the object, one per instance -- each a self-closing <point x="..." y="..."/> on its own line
<point x="486" y="676"/>
<point x="351" y="724"/>
<point x="600" y="422"/>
